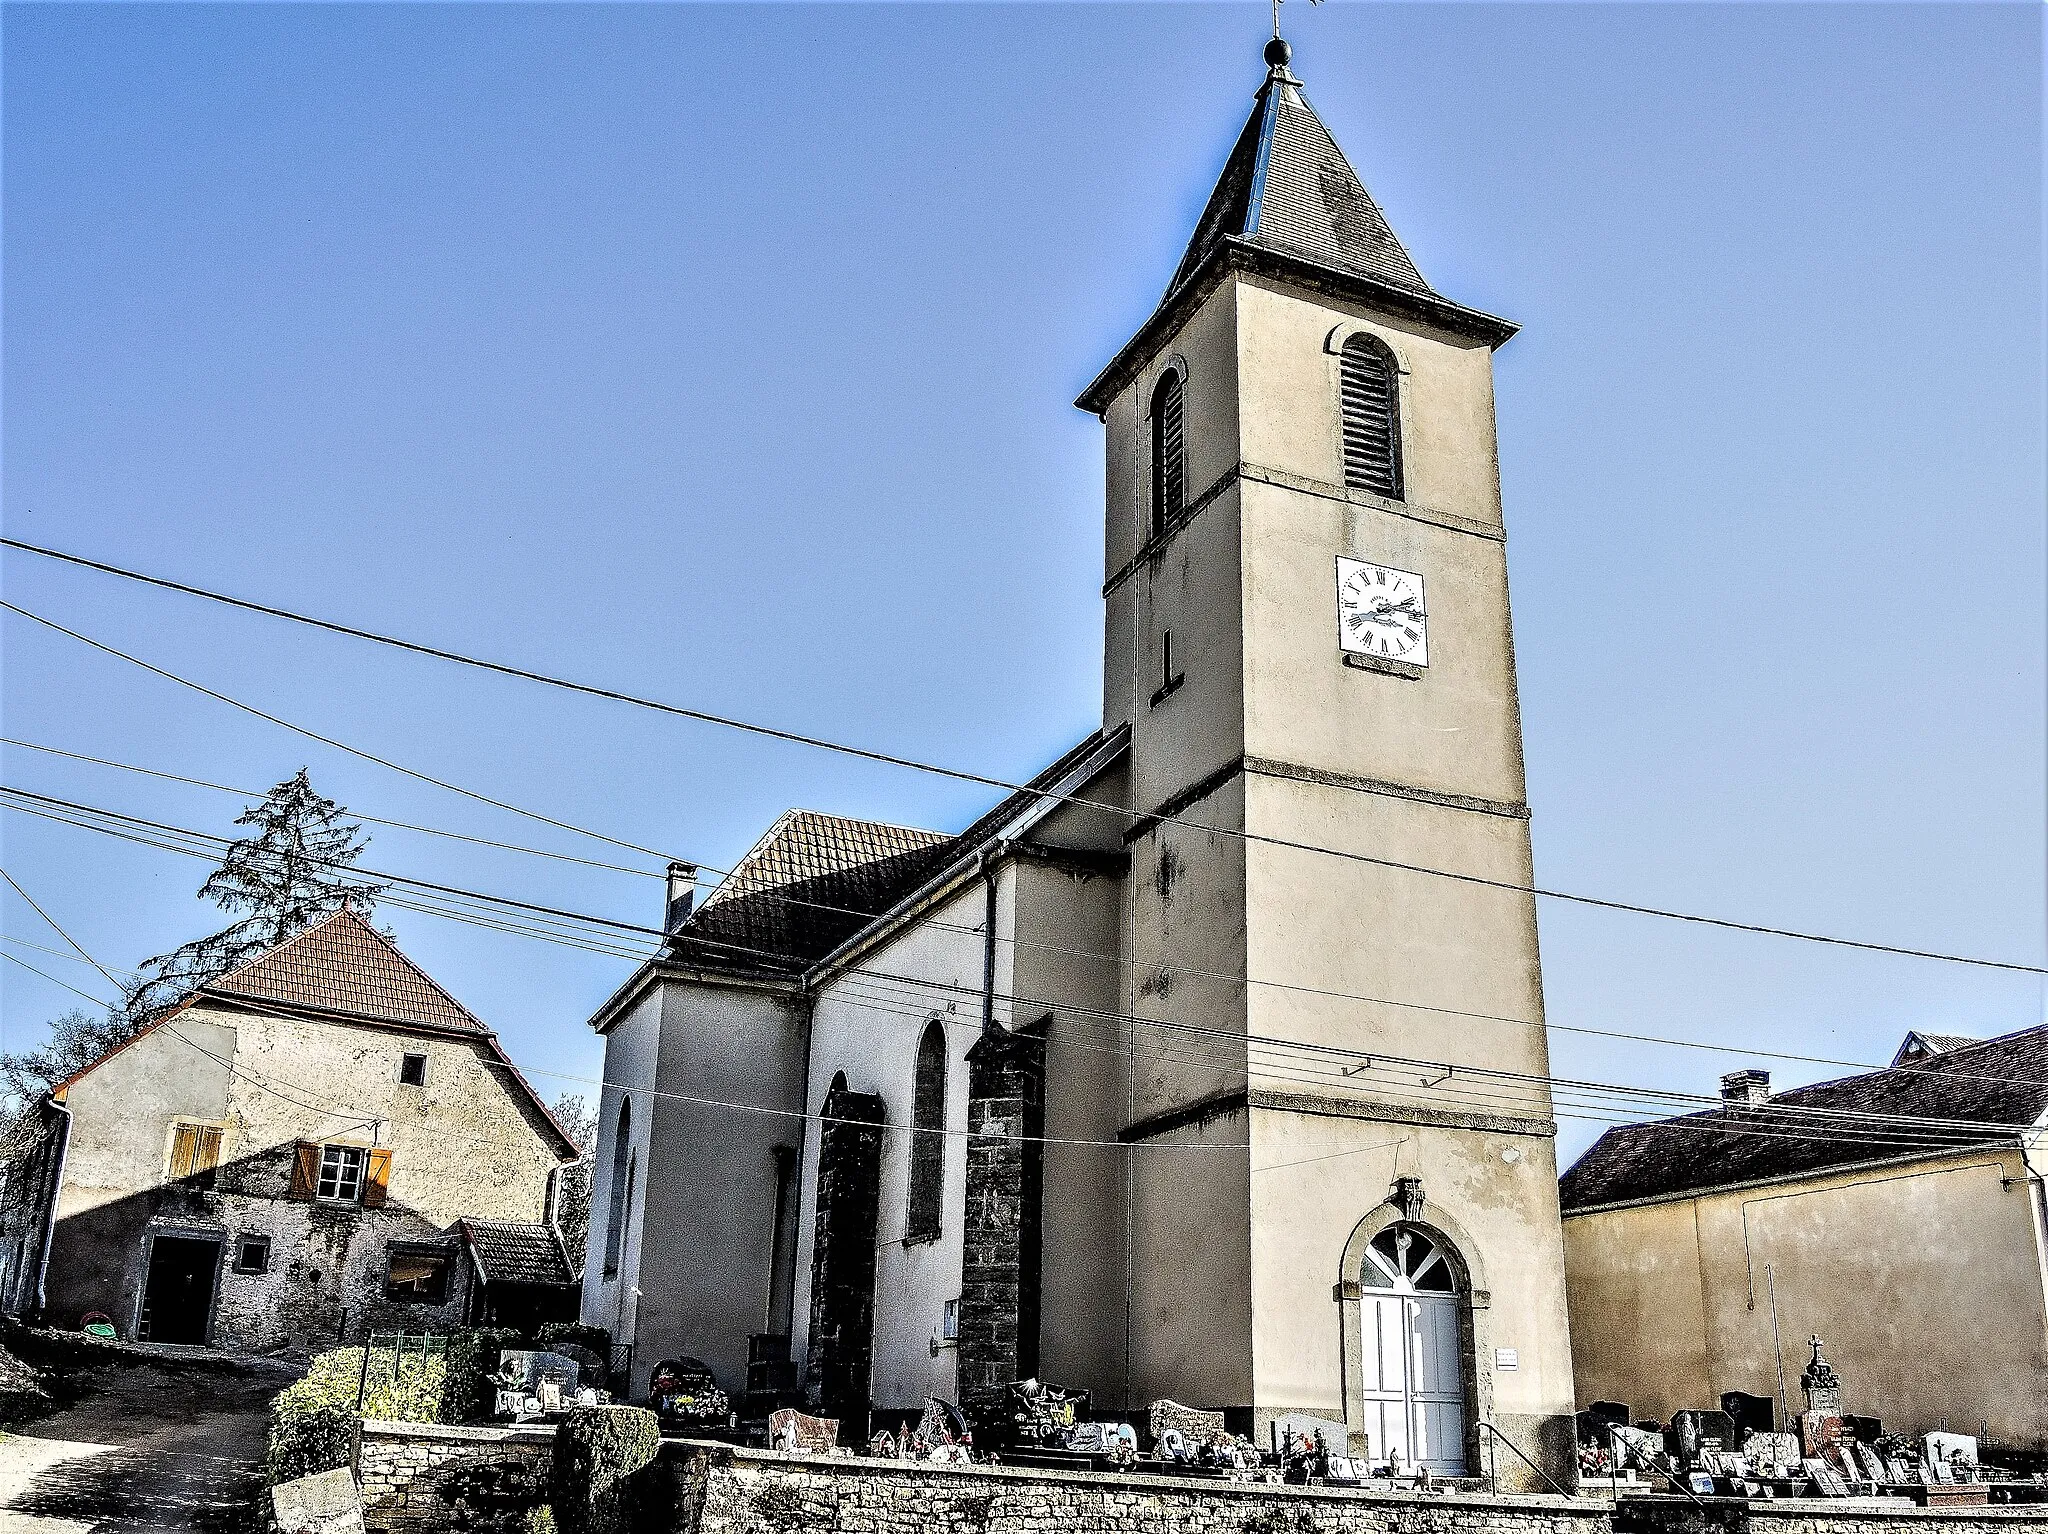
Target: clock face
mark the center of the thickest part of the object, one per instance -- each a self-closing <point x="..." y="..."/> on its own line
<point x="1380" y="612"/>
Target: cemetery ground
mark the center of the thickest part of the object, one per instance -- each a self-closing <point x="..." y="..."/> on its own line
<point x="141" y="1441"/>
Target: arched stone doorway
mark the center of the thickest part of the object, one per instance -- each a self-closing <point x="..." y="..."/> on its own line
<point x="1414" y="1321"/>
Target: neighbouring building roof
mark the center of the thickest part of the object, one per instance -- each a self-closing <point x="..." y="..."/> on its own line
<point x="1918" y="1046"/>
<point x="1973" y="1093"/>
<point x="515" y="1252"/>
<point x="1288" y="187"/>
<point x="344" y="965"/>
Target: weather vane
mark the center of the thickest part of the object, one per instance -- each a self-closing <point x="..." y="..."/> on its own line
<point x="1276" y="14"/>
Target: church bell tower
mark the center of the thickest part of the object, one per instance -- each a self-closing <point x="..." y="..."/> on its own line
<point x="1328" y="916"/>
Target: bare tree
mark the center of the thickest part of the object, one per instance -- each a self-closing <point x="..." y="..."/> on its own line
<point x="573" y="1206"/>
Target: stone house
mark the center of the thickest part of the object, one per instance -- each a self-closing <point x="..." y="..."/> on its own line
<point x="1701" y="1252"/>
<point x="318" y="1144"/>
<point x="1185" y="1071"/>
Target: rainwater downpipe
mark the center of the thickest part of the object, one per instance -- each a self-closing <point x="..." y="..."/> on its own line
<point x="989" y="860"/>
<point x="50" y="1217"/>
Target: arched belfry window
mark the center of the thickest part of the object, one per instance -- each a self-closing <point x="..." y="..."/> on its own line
<point x="621" y="1188"/>
<point x="1169" y="452"/>
<point x="1370" y="382"/>
<point x="927" y="1139"/>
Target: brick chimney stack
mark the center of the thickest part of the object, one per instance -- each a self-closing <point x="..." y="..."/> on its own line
<point x="1746" y="1087"/>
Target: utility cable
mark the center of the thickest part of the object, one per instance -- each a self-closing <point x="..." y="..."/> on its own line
<point x="890" y="759"/>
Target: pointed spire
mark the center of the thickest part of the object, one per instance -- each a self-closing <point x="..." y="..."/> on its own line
<point x="1288" y="187"/>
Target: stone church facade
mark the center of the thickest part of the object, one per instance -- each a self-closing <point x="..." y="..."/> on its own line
<point x="1211" y="1065"/>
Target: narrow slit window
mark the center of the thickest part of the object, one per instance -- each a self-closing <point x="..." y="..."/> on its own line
<point x="928" y="1136"/>
<point x="1169" y="458"/>
<point x="1170" y="676"/>
<point x="1372" y="417"/>
<point x="615" y="1214"/>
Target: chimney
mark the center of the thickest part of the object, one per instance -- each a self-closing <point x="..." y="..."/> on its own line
<point x="682" y="895"/>
<point x="1746" y="1087"/>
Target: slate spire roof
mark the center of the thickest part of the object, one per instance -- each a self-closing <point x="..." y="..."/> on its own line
<point x="1287" y="187"/>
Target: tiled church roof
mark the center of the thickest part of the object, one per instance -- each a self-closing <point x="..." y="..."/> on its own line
<point x="809" y="884"/>
<point x="1976" y="1093"/>
<point x="342" y="964"/>
<point x="1288" y="187"/>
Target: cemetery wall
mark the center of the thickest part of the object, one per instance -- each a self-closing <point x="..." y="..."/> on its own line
<point x="423" y="1478"/>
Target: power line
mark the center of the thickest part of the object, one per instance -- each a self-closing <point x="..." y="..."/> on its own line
<point x="119" y="989"/>
<point x="74" y="990"/>
<point x="1640" y="1098"/>
<point x="396" y="825"/>
<point x="775" y="896"/>
<point x="890" y="759"/>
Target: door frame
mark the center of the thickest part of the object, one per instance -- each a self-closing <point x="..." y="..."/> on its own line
<point x="1475" y="1330"/>
<point x="214" y="1233"/>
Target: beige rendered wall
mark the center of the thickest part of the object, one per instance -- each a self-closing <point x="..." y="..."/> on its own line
<point x="1926" y="1283"/>
<point x="868" y="1027"/>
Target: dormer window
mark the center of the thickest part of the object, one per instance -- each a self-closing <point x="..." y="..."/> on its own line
<point x="1169" y="458"/>
<point x="1370" y="385"/>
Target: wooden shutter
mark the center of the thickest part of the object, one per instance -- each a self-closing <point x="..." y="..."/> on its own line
<point x="377" y="1179"/>
<point x="1372" y="420"/>
<point x="184" y="1149"/>
<point x="306" y="1170"/>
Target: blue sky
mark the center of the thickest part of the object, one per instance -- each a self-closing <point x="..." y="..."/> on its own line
<point x="726" y="354"/>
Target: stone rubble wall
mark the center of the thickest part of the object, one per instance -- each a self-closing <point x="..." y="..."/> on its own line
<point x="719" y="1490"/>
<point x="1822" y="1515"/>
<point x="422" y="1478"/>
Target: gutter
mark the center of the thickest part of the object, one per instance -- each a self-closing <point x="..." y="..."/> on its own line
<point x="50" y="1217"/>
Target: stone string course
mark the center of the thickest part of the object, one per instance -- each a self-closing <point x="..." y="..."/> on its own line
<point x="420" y="1478"/>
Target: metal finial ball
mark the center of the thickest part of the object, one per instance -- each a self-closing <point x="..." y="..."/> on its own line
<point x="1278" y="53"/>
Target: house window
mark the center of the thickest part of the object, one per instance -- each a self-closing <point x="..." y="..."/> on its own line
<point x="417" y="1274"/>
<point x="252" y="1254"/>
<point x="927" y="1136"/>
<point x="341" y="1173"/>
<point x="615" y="1214"/>
<point x="412" y="1071"/>
<point x="1169" y="456"/>
<point x="1369" y="384"/>
<point x="195" y="1152"/>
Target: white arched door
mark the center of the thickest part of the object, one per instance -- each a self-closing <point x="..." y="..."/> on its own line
<point x="1414" y="1372"/>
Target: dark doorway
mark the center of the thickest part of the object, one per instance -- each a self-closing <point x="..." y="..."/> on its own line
<point x="843" y="1259"/>
<point x="177" y="1302"/>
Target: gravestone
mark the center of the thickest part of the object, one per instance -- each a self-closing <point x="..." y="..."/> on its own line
<point x="1750" y="1414"/>
<point x="1774" y="1456"/>
<point x="1191" y="1422"/>
<point x="1693" y="1431"/>
<point x="327" y="1503"/>
<point x="794" y="1433"/>
<point x="1300" y="1425"/>
<point x="1823" y="1387"/>
<point x="1818" y="1432"/>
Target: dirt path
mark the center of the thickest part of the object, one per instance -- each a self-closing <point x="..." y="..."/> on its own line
<point x="141" y="1447"/>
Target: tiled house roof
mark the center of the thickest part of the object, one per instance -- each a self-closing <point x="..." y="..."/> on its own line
<point x="341" y="964"/>
<point x="1973" y="1094"/>
<point x="515" y="1252"/>
<point x="809" y="884"/>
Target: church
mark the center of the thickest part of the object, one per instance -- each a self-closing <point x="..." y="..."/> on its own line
<point x="1209" y="1065"/>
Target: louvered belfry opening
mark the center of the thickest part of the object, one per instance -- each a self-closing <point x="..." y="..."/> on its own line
<point x="1372" y="418"/>
<point x="1169" y="460"/>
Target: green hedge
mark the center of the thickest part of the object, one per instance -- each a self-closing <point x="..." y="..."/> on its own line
<point x="313" y="1422"/>
<point x="596" y="1338"/>
<point x="472" y="1359"/>
<point x="597" y="1448"/>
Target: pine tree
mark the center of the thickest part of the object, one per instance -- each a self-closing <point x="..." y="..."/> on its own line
<point x="280" y="880"/>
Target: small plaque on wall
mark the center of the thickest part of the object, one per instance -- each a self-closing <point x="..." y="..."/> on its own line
<point x="1507" y="1359"/>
